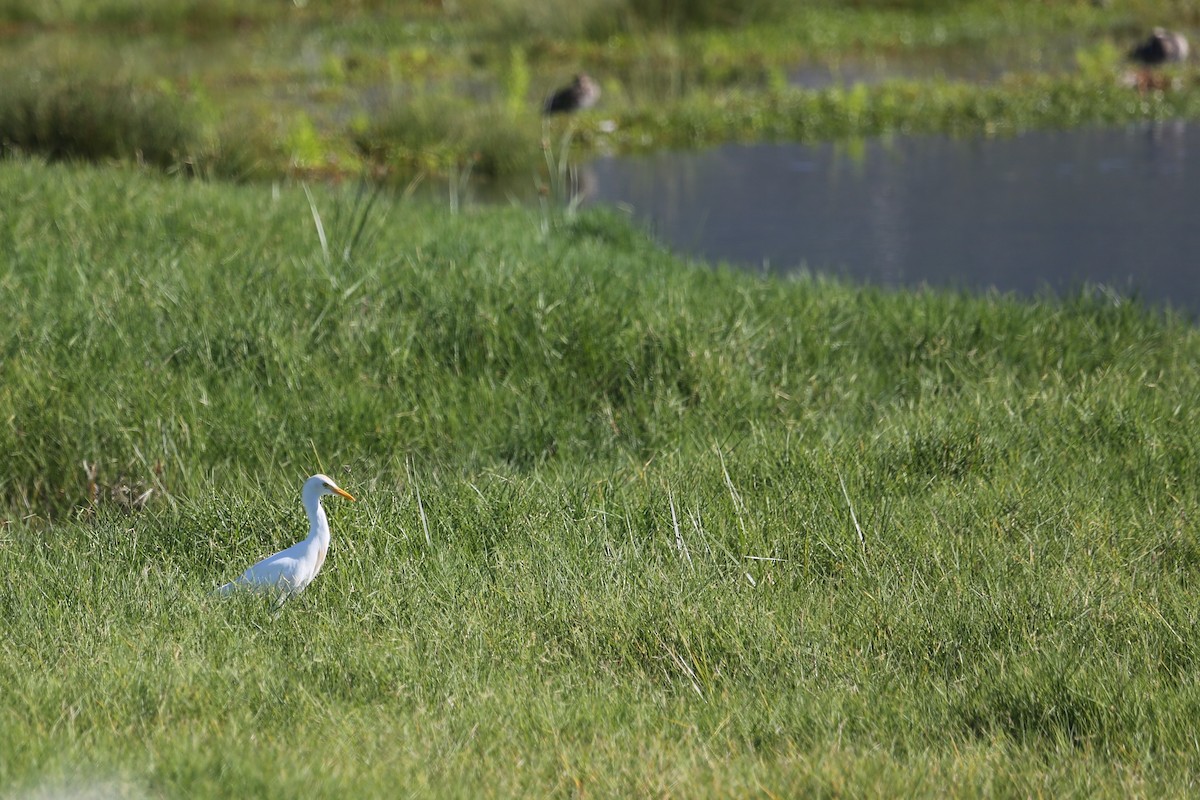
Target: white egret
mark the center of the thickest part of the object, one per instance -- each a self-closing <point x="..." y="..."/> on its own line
<point x="289" y="571"/>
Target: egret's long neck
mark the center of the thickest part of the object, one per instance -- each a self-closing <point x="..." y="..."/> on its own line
<point x="318" y="523"/>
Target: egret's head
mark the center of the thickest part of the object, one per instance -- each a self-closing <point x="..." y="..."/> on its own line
<point x="319" y="485"/>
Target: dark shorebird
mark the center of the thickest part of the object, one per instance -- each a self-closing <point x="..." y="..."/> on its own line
<point x="582" y="93"/>
<point x="1163" y="47"/>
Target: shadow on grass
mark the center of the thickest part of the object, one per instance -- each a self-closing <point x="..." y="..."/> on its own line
<point x="1031" y="709"/>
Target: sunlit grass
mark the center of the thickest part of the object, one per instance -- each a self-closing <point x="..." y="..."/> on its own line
<point x="900" y="107"/>
<point x="627" y="526"/>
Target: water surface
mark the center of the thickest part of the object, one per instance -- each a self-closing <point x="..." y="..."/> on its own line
<point x="1118" y="207"/>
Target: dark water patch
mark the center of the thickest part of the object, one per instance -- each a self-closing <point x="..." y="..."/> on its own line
<point x="1040" y="210"/>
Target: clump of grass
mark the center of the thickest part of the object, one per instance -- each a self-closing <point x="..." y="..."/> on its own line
<point x="599" y="19"/>
<point x="114" y="12"/>
<point x="920" y="6"/>
<point x="902" y="107"/>
<point x="243" y="149"/>
<point x="60" y="116"/>
<point x="516" y="80"/>
<point x="442" y="137"/>
<point x="684" y="14"/>
<point x="415" y="136"/>
<point x="203" y="16"/>
<point x="351" y="226"/>
<point x="521" y="20"/>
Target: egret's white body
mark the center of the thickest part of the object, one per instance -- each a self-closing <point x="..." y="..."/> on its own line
<point x="289" y="571"/>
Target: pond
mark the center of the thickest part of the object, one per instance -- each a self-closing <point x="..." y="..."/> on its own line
<point x="1035" y="211"/>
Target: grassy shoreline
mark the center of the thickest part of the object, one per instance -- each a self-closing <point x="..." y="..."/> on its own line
<point x="626" y="526"/>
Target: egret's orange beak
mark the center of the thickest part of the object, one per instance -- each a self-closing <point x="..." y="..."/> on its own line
<point x="341" y="492"/>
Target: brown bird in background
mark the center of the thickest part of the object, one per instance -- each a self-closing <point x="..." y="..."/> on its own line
<point x="1163" y="47"/>
<point x="583" y="92"/>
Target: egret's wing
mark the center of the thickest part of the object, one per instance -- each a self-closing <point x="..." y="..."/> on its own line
<point x="279" y="571"/>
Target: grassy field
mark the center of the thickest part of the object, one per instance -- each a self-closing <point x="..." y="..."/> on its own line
<point x="626" y="527"/>
<point x="418" y="89"/>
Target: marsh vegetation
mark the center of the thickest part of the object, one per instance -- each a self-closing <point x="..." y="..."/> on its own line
<point x="401" y="90"/>
<point x="627" y="526"/>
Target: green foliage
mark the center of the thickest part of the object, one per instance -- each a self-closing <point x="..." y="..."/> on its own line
<point x="521" y="20"/>
<point x="303" y="145"/>
<point x="197" y="15"/>
<point x="902" y="107"/>
<point x="675" y="72"/>
<point x="601" y="19"/>
<point x="682" y="14"/>
<point x="517" y="82"/>
<point x="626" y="526"/>
<point x="1100" y="62"/>
<point x="59" y="116"/>
<point x="439" y="136"/>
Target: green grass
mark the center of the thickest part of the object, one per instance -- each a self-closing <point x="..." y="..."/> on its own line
<point x="627" y="526"/>
<point x="414" y="89"/>
<point x="424" y="136"/>
<point x="74" y="117"/>
<point x="895" y="107"/>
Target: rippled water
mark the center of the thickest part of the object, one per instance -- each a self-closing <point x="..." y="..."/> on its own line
<point x="1038" y="210"/>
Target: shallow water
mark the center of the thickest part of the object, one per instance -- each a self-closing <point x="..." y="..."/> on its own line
<point x="1038" y="210"/>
